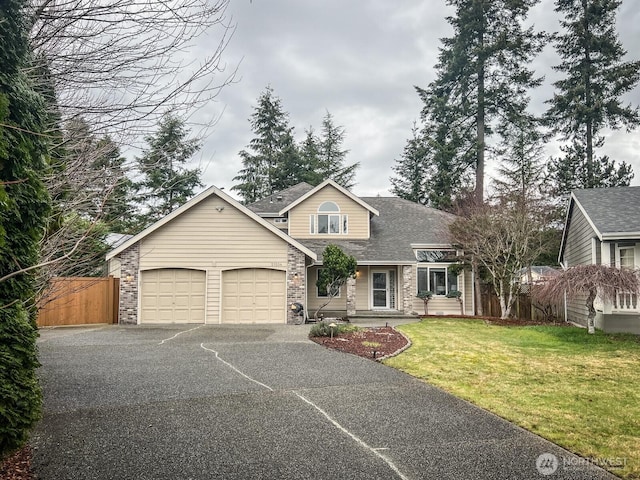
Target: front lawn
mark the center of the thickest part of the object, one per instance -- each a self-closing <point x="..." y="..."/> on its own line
<point x="578" y="390"/>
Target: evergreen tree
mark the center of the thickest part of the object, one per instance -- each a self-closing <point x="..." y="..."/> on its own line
<point x="480" y="70"/>
<point x="166" y="182"/>
<point x="272" y="159"/>
<point x="411" y="178"/>
<point x="310" y="158"/>
<point x="24" y="205"/>
<point x="118" y="210"/>
<point x="588" y="99"/>
<point x="331" y="164"/>
<point x="521" y="152"/>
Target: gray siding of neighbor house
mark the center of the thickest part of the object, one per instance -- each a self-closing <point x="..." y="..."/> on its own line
<point x="618" y="323"/>
<point x="578" y="251"/>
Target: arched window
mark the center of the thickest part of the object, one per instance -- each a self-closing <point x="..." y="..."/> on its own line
<point x="329" y="207"/>
<point x="328" y="221"/>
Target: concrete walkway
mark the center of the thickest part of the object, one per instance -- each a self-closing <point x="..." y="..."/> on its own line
<point x="209" y="402"/>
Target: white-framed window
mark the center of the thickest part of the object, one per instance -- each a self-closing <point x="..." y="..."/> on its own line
<point x="328" y="221"/>
<point x="323" y="293"/>
<point x="627" y="257"/>
<point x="437" y="280"/>
<point x="280" y="220"/>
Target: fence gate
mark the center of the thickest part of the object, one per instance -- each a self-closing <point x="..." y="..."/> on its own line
<point x="80" y="301"/>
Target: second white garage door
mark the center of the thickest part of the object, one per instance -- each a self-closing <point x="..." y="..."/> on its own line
<point x="172" y="295"/>
<point x="253" y="295"/>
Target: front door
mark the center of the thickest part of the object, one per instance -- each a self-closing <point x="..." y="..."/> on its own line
<point x="380" y="288"/>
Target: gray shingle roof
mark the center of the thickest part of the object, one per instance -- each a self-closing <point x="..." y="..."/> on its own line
<point x="612" y="210"/>
<point x="400" y="224"/>
<point x="271" y="205"/>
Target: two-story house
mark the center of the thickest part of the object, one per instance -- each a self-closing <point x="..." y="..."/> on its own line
<point x="214" y="260"/>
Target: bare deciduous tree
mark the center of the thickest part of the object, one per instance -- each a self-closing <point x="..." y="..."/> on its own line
<point x="114" y="68"/>
<point x="503" y="239"/>
<point x="121" y="64"/>
<point x="590" y="281"/>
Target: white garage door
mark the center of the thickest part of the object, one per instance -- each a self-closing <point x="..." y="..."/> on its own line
<point x="253" y="295"/>
<point x="172" y="295"/>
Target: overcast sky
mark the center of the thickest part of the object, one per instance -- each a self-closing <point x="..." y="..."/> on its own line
<point x="360" y="61"/>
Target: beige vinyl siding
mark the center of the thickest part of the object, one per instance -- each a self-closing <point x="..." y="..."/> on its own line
<point x="578" y="251"/>
<point x="358" y="216"/>
<point x="314" y="302"/>
<point x="363" y="288"/>
<point x="206" y="239"/>
<point x="467" y="279"/>
<point x="114" y="267"/>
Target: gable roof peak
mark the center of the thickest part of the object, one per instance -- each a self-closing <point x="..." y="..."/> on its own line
<point x="338" y="187"/>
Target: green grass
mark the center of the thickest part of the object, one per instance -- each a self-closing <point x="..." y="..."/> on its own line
<point x="578" y="390"/>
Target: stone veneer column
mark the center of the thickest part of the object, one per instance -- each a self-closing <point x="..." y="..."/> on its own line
<point x="408" y="288"/>
<point x="351" y="296"/>
<point x="129" y="269"/>
<point x="296" y="281"/>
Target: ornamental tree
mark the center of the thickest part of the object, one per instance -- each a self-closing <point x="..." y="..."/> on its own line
<point x="337" y="268"/>
<point x="591" y="281"/>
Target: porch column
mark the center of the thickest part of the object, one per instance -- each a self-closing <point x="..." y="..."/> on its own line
<point x="408" y="289"/>
<point x="129" y="268"/>
<point x="296" y="282"/>
<point x="351" y="296"/>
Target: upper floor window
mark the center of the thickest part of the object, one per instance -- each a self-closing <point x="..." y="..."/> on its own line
<point x="328" y="220"/>
<point x="329" y="207"/>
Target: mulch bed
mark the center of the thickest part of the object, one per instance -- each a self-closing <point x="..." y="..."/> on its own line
<point x="388" y="340"/>
<point x="17" y="466"/>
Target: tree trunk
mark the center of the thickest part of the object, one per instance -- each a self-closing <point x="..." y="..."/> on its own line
<point x="586" y="76"/>
<point x="591" y="317"/>
<point x="476" y="287"/>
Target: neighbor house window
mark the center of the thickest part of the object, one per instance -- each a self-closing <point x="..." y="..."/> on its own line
<point x="627" y="258"/>
<point x="323" y="292"/>
<point x="437" y="280"/>
<point x="328" y="220"/>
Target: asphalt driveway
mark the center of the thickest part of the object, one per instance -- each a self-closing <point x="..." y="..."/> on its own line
<point x="209" y="402"/>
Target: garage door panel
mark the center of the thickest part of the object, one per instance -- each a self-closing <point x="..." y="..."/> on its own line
<point x="253" y="296"/>
<point x="173" y="296"/>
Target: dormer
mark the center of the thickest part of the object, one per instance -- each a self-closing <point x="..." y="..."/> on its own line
<point x="329" y="211"/>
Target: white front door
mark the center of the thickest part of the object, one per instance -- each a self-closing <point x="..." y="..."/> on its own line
<point x="380" y="289"/>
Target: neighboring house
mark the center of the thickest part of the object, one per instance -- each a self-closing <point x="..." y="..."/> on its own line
<point x="539" y="274"/>
<point x="214" y="260"/>
<point x="603" y="227"/>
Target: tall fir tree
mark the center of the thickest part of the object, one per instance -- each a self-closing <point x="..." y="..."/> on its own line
<point x="271" y="160"/>
<point x="480" y="70"/>
<point x="331" y="164"/>
<point x="589" y="97"/>
<point x="166" y="182"/>
<point x="310" y="158"/>
<point x="410" y="180"/>
<point x="24" y="204"/>
<point x="521" y="152"/>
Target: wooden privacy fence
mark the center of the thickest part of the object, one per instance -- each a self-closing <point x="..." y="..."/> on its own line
<point x="80" y="301"/>
<point x="523" y="308"/>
